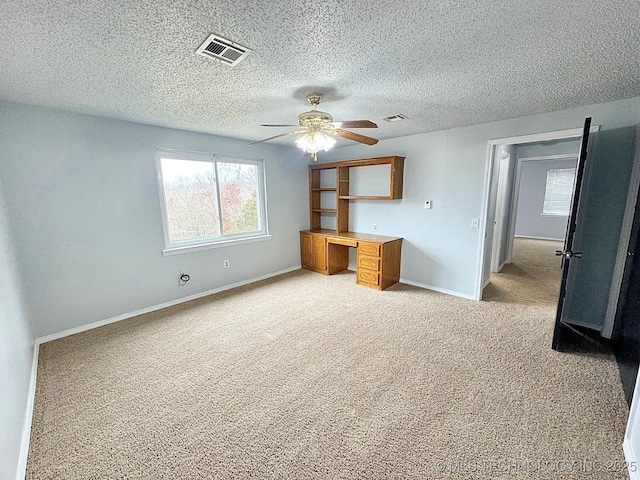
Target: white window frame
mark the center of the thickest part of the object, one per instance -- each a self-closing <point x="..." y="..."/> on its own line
<point x="223" y="240"/>
<point x="546" y="189"/>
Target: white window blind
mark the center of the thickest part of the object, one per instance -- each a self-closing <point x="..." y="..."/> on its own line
<point x="558" y="191"/>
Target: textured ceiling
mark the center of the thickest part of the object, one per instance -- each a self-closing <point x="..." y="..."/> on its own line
<point x="442" y="63"/>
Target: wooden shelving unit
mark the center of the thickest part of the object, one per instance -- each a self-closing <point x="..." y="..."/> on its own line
<point x="327" y="251"/>
<point x="343" y="195"/>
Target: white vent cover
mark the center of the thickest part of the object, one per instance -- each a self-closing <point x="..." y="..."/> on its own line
<point x="222" y="49"/>
<point x="395" y="118"/>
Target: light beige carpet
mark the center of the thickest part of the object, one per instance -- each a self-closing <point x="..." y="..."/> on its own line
<point x="306" y="376"/>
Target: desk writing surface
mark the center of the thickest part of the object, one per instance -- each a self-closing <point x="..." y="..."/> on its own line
<point x="365" y="237"/>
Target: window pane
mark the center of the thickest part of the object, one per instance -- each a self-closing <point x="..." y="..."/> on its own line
<point x="558" y="191"/>
<point x="238" y="184"/>
<point x="190" y="195"/>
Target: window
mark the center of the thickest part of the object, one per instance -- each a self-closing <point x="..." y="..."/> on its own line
<point x="208" y="200"/>
<point x="558" y="191"/>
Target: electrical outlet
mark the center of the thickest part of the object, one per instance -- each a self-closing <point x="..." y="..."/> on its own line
<point x="183" y="278"/>
<point x="475" y="223"/>
<point x="375" y="227"/>
<point x="226" y="264"/>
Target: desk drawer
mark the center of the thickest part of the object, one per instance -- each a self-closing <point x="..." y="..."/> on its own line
<point x="372" y="263"/>
<point x="366" y="248"/>
<point x="368" y="276"/>
<point x="349" y="242"/>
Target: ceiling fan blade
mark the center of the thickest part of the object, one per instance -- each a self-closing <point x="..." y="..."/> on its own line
<point x="280" y="125"/>
<point x="356" y="137"/>
<point x="355" y="124"/>
<point x="278" y="136"/>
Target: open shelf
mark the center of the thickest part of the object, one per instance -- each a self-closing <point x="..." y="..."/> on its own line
<point x="365" y="197"/>
<point x="341" y="188"/>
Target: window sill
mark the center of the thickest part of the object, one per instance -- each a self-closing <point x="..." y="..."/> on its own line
<point x="206" y="246"/>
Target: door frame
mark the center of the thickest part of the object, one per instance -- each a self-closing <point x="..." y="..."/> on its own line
<point x="498" y="227"/>
<point x="490" y="178"/>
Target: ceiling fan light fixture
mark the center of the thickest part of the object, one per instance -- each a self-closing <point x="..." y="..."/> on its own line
<point x="315" y="140"/>
<point x="318" y="129"/>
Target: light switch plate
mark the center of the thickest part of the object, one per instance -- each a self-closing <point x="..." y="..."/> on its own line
<point x="427" y="204"/>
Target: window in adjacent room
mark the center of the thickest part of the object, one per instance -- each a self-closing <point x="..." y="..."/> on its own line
<point x="558" y="191"/>
<point x="209" y="200"/>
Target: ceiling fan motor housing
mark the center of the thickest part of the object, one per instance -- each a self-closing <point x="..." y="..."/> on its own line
<point x="314" y="118"/>
<point x="318" y="124"/>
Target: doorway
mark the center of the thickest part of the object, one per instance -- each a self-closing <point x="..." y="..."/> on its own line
<point x="532" y="210"/>
<point x="501" y="193"/>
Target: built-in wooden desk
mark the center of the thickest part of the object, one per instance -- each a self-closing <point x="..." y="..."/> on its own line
<point x="377" y="257"/>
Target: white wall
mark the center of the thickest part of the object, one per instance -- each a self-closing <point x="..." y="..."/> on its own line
<point x="16" y="352"/>
<point x="533" y="183"/>
<point x="82" y="198"/>
<point x="440" y="249"/>
<point x="529" y="222"/>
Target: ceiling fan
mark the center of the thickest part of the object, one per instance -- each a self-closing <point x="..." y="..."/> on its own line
<point x="317" y="128"/>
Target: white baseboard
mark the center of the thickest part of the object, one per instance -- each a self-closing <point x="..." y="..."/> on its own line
<point x="540" y="238"/>
<point x="631" y="459"/>
<point x="437" y="289"/>
<point x="26" y="432"/>
<point x="486" y="282"/>
<point x="100" y="323"/>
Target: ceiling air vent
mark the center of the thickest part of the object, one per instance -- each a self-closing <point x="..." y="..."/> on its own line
<point x="395" y="118"/>
<point x="222" y="49"/>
